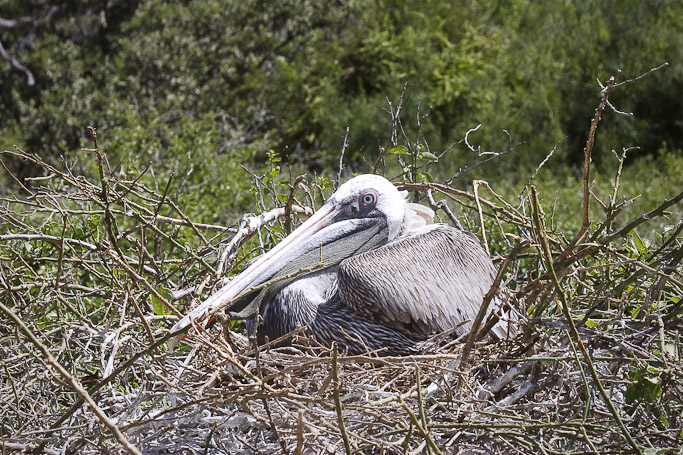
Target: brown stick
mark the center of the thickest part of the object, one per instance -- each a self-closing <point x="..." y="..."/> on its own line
<point x="21" y="185"/>
<point x="144" y="283"/>
<point x="487" y="301"/>
<point x="60" y="258"/>
<point x="290" y="201"/>
<point x="587" y="152"/>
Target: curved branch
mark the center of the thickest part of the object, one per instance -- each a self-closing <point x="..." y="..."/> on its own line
<point x="9" y="24"/>
<point x="31" y="81"/>
<point x="22" y="22"/>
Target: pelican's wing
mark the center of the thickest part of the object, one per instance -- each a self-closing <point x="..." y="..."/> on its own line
<point x="430" y="281"/>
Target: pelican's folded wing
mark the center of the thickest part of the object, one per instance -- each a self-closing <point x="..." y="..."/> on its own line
<point x="428" y="282"/>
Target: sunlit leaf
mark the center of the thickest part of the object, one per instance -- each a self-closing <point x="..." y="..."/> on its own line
<point x="400" y="150"/>
<point x="639" y="244"/>
<point x="427" y="156"/>
<point x="426" y="177"/>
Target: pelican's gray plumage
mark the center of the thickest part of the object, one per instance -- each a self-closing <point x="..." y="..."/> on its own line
<point x="391" y="277"/>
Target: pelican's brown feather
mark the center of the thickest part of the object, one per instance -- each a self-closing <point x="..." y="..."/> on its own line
<point x="421" y="284"/>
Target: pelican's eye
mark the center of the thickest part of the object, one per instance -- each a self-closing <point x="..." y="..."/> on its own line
<point x="368" y="199"/>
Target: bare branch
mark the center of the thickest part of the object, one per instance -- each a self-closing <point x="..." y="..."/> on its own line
<point x="345" y="144"/>
<point x="30" y="79"/>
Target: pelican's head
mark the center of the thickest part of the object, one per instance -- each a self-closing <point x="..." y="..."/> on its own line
<point x="370" y="196"/>
<point x="364" y="213"/>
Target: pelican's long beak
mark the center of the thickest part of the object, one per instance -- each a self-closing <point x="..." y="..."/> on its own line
<point x="323" y="240"/>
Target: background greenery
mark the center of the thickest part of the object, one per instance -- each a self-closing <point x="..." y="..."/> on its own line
<point x="206" y="88"/>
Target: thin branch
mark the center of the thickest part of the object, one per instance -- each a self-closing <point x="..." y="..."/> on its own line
<point x="481" y="216"/>
<point x="488" y="297"/>
<point x="290" y="200"/>
<point x="249" y="226"/>
<point x="345" y="145"/>
<point x="416" y="423"/>
<point x="337" y="401"/>
<point x="467" y="140"/>
<point x="642" y="76"/>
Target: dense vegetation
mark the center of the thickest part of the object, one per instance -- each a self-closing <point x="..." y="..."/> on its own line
<point x="201" y="87"/>
<point x="205" y="110"/>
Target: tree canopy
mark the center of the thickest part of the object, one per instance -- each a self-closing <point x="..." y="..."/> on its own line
<point x="207" y="85"/>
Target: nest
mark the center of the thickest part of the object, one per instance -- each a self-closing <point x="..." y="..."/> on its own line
<point x="530" y="397"/>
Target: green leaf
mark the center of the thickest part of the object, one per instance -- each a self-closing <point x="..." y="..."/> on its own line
<point x="400" y="150"/>
<point x="639" y="243"/>
<point x="159" y="307"/>
<point x="427" y="156"/>
<point x="273" y="156"/>
<point x="645" y="388"/>
<point x="27" y="247"/>
<point x="93" y="221"/>
<point x="663" y="419"/>
<point x="78" y="232"/>
<point x="426" y="177"/>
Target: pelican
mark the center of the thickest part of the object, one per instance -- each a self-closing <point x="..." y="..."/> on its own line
<point x="387" y="278"/>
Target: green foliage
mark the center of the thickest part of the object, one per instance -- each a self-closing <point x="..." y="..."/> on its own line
<point x="645" y="386"/>
<point x="291" y="76"/>
<point x="157" y="304"/>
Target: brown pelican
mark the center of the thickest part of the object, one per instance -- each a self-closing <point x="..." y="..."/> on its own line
<point x="390" y="277"/>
